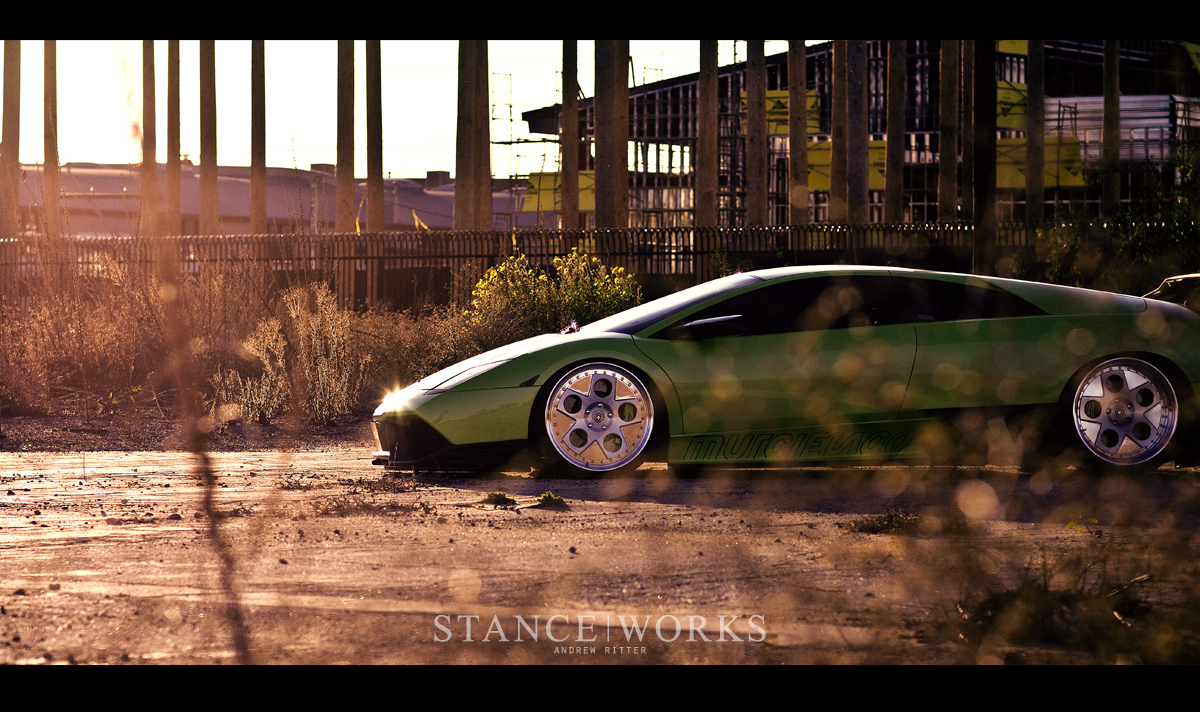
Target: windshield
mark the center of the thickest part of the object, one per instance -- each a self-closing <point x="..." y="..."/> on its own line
<point x="634" y="320"/>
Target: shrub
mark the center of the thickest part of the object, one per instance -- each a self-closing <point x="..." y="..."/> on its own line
<point x="261" y="398"/>
<point x="516" y="299"/>
<point x="588" y="291"/>
<point x="329" y="378"/>
<point x="25" y="370"/>
<point x="401" y="348"/>
<point x="1130" y="256"/>
<point x="86" y="342"/>
<point x="78" y="340"/>
<point x="220" y="312"/>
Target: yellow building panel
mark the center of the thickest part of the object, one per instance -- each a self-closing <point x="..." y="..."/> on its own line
<point x="1063" y="168"/>
<point x="876" y="165"/>
<point x="777" y="112"/>
<point x="543" y="192"/>
<point x="1013" y="46"/>
<point x="820" y="157"/>
<point x="1193" y="51"/>
<point x="1062" y="163"/>
<point x="1011" y="105"/>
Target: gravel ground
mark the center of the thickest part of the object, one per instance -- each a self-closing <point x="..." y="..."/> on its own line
<point x="107" y="557"/>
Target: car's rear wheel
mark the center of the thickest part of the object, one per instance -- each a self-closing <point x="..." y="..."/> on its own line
<point x="1126" y="412"/>
<point x="599" y="418"/>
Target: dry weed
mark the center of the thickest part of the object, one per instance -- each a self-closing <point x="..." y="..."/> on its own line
<point x="330" y="376"/>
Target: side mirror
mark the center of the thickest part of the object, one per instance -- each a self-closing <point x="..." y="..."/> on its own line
<point x="701" y="329"/>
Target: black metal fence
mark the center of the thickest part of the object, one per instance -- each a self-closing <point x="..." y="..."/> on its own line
<point x="402" y="269"/>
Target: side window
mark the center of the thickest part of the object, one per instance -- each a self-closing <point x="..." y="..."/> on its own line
<point x="923" y="299"/>
<point x="806" y="304"/>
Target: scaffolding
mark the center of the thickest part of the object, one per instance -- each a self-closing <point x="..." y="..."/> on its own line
<point x="664" y="128"/>
<point x="520" y="152"/>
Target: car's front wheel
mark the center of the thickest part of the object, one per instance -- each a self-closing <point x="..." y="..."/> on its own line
<point x="599" y="418"/>
<point x="1126" y="412"/>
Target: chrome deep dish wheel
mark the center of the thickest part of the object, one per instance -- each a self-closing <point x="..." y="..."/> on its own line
<point x="1125" y="411"/>
<point x="599" y="417"/>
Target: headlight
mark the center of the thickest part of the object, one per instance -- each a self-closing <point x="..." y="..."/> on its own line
<point x="434" y="384"/>
<point x="392" y="401"/>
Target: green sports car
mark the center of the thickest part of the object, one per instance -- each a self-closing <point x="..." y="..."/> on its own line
<point x="818" y="364"/>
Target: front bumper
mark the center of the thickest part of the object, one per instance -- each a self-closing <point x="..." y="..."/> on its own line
<point x="407" y="442"/>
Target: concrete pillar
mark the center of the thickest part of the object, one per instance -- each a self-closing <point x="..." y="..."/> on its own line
<point x="858" y="211"/>
<point x="984" y="105"/>
<point x="1035" y="130"/>
<point x="948" y="133"/>
<point x="10" y="135"/>
<point x="797" y="133"/>
<point x="569" y="138"/>
<point x="483" y="139"/>
<point x="708" y="114"/>
<point x="473" y="175"/>
<point x="51" y="179"/>
<point x="1110" y="198"/>
<point x="258" y="138"/>
<point x="757" y="203"/>
<point x="897" y="108"/>
<point x="375" y="213"/>
<point x="345" y="205"/>
<point x="374" y="137"/>
<point x="171" y="218"/>
<point x="344" y="174"/>
<point x="612" y="133"/>
<point x="837" y="136"/>
<point x="149" y="188"/>
<point x="464" y="164"/>
<point x="209" y="205"/>
<point x="967" y="135"/>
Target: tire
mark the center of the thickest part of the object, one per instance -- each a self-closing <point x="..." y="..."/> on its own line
<point x="1126" y="412"/>
<point x="598" y="418"/>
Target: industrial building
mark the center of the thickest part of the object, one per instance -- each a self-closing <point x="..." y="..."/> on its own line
<point x="101" y="200"/>
<point x="1160" y="116"/>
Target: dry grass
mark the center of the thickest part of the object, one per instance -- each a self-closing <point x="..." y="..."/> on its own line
<point x="893" y="521"/>
<point x="102" y="348"/>
<point x="86" y="344"/>
<point x="499" y="499"/>
<point x="328" y="376"/>
<point x="348" y="505"/>
<point x="296" y="484"/>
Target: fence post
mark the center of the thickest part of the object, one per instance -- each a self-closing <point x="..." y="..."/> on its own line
<point x="374" y="268"/>
<point x="343" y="269"/>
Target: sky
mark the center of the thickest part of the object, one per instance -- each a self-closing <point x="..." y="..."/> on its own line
<point x="100" y="98"/>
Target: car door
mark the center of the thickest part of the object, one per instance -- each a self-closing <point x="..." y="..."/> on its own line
<point x="977" y="345"/>
<point x="791" y="353"/>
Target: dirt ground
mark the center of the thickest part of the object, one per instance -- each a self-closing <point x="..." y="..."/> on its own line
<point x="123" y="433"/>
<point x="107" y="558"/>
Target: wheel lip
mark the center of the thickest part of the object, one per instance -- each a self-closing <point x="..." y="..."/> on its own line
<point x="1168" y="397"/>
<point x="635" y="383"/>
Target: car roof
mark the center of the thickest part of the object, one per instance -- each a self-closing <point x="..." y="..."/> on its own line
<point x="811" y="269"/>
<point x="1050" y="298"/>
<point x="781" y="272"/>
